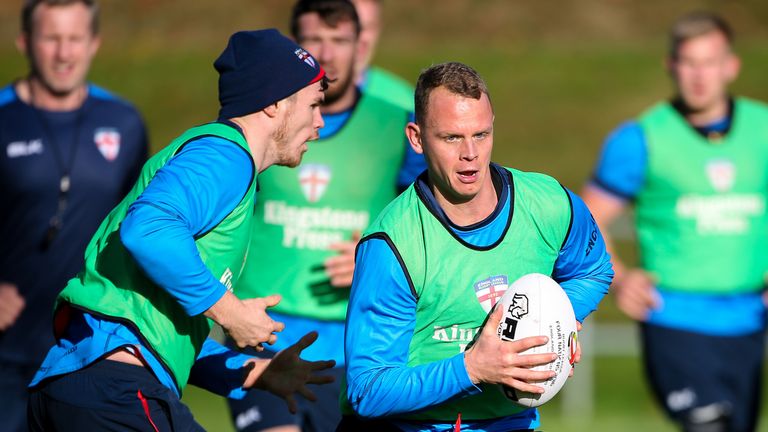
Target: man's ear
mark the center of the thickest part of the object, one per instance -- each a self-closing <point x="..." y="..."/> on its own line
<point x="669" y="66"/>
<point x="272" y="110"/>
<point x="413" y="132"/>
<point x="733" y="67"/>
<point x="95" y="45"/>
<point x="362" y="49"/>
<point x="22" y="43"/>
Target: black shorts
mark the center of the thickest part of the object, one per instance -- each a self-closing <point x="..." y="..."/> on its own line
<point x="107" y="395"/>
<point x="261" y="410"/>
<point x="355" y="424"/>
<point x="699" y="378"/>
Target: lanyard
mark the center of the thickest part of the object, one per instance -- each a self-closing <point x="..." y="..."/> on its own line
<point x="65" y="169"/>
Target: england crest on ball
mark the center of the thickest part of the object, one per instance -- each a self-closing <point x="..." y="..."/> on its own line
<point x="108" y="142"/>
<point x="314" y="179"/>
<point x="488" y="291"/>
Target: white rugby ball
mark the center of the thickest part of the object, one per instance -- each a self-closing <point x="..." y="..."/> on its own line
<point x="536" y="305"/>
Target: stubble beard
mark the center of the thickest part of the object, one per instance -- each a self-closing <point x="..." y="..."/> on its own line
<point x="336" y="92"/>
<point x="285" y="155"/>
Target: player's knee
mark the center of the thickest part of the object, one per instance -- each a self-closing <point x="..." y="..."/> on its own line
<point x="710" y="418"/>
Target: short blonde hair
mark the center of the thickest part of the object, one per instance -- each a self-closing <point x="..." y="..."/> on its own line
<point x="697" y="24"/>
<point x="456" y="77"/>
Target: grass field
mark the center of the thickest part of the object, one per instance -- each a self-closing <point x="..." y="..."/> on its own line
<point x="623" y="404"/>
<point x="561" y="75"/>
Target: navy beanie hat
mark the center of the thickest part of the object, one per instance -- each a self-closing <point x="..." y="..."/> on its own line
<point x="259" y="68"/>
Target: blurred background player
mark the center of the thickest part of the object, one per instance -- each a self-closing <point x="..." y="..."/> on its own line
<point x="696" y="169"/>
<point x="374" y="80"/>
<point x="426" y="267"/>
<point x="308" y="220"/>
<point x="69" y="152"/>
<point x="132" y="327"/>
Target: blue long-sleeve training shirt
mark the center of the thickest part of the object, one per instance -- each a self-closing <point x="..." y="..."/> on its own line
<point x="383" y="319"/>
<point x="620" y="172"/>
<point x="188" y="196"/>
<point x="101" y="146"/>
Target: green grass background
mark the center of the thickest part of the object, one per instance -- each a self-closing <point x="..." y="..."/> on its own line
<point x="561" y="74"/>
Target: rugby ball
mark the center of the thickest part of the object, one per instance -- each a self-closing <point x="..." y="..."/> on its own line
<point x="536" y="305"/>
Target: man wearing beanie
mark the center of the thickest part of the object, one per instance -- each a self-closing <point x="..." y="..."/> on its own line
<point x="307" y="221"/>
<point x="132" y="327"/>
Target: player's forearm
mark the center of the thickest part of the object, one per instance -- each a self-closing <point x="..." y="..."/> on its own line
<point x="219" y="370"/>
<point x="227" y="307"/>
<point x="382" y="390"/>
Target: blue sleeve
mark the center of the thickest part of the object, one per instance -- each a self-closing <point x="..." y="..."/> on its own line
<point x="621" y="167"/>
<point x="219" y="370"/>
<point x="583" y="267"/>
<point x="413" y="163"/>
<point x="187" y="197"/>
<point x="380" y="323"/>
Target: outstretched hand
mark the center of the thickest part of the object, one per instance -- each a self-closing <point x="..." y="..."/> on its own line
<point x="287" y="373"/>
<point x="491" y="360"/>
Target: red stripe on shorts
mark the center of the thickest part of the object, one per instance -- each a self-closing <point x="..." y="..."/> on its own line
<point x="145" y="405"/>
